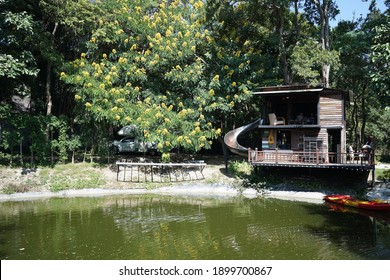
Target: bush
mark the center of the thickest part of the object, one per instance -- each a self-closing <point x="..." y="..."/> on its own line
<point x="244" y="171"/>
<point x="383" y="175"/>
<point x="240" y="169"/>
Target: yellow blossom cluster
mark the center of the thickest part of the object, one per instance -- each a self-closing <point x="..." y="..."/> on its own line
<point x="147" y="77"/>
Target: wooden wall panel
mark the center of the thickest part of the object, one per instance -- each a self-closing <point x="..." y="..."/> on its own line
<point x="331" y="110"/>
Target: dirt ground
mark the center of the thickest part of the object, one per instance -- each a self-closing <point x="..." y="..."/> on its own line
<point x="20" y="180"/>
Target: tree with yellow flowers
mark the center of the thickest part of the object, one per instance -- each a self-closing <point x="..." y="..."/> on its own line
<point x="146" y="65"/>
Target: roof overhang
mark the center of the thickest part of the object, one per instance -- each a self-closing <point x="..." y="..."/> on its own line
<point x="286" y="91"/>
<point x="290" y="126"/>
<point x="302" y="89"/>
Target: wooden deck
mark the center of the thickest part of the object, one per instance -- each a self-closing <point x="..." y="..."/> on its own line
<point x="159" y="172"/>
<point x="290" y="158"/>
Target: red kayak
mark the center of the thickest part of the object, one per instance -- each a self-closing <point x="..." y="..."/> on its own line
<point x="378" y="215"/>
<point x="361" y="204"/>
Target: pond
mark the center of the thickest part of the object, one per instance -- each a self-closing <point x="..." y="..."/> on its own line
<point x="173" y="227"/>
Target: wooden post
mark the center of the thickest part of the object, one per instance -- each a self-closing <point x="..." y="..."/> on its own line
<point x="256" y="154"/>
<point x="225" y="154"/>
<point x="276" y="155"/>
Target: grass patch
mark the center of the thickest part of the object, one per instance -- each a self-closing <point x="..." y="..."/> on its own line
<point x="17" y="188"/>
<point x="15" y="180"/>
<point x="21" y="186"/>
<point x="71" y="176"/>
<point x="382" y="174"/>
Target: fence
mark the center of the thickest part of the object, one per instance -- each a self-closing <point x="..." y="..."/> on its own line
<point x="159" y="172"/>
<point x="317" y="157"/>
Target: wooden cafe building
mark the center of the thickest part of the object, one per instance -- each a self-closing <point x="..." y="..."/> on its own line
<point x="305" y="126"/>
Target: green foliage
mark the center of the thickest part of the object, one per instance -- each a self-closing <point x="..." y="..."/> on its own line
<point x="312" y="13"/>
<point x="383" y="174"/>
<point x="240" y="169"/>
<point x="147" y="70"/>
<point x="14" y="135"/>
<point x="379" y="126"/>
<point x="308" y="58"/>
<point x="11" y="67"/>
<point x="17" y="63"/>
<point x="61" y="183"/>
<point x="235" y="61"/>
<point x="5" y="111"/>
<point x="37" y="132"/>
<point x="37" y="36"/>
<point x="180" y="70"/>
<point x="11" y="136"/>
<point x="381" y="57"/>
<point x="367" y="114"/>
<point x="166" y="157"/>
<point x="65" y="143"/>
<point x="244" y="171"/>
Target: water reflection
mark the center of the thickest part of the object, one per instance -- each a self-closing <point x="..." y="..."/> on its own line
<point x="365" y="232"/>
<point x="174" y="227"/>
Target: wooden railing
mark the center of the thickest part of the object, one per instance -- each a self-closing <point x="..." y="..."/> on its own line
<point x="317" y="157"/>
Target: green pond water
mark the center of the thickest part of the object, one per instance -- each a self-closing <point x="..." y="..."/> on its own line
<point x="187" y="227"/>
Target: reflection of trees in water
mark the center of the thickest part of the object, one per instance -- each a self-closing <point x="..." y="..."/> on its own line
<point x="362" y="235"/>
<point x="383" y="232"/>
<point x="179" y="227"/>
<point x="167" y="227"/>
<point x="11" y="226"/>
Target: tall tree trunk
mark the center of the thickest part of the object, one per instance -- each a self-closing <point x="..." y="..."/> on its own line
<point x="325" y="75"/>
<point x="279" y="12"/>
<point x="323" y="11"/>
<point x="364" y="119"/>
<point x="355" y="122"/>
<point x="296" y="20"/>
<point x="49" y="101"/>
